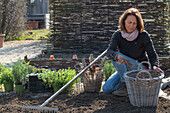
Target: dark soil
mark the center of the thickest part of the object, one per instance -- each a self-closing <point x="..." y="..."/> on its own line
<point x="83" y="102"/>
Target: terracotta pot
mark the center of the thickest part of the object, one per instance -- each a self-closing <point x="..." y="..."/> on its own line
<point x="74" y="57"/>
<point x="51" y="57"/>
<point x="1" y="39"/>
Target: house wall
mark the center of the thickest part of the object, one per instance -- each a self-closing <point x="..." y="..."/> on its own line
<point x="37" y="6"/>
<point x="37" y="10"/>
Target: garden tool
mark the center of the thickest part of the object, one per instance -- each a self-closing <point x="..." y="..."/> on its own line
<point x="46" y="109"/>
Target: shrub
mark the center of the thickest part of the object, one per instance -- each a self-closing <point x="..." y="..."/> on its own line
<point x="2" y="67"/>
<point x="109" y="69"/>
<point x="6" y="76"/>
<point x="20" y="70"/>
<point x="58" y="78"/>
<point x="33" y="69"/>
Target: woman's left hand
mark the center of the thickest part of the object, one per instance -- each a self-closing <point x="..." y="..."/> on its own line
<point x="157" y="69"/>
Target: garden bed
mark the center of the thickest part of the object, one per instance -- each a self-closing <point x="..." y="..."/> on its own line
<point x="83" y="102"/>
<point x="77" y="102"/>
<point x="65" y="63"/>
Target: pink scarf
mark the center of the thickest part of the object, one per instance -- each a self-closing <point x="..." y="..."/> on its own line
<point x="130" y="36"/>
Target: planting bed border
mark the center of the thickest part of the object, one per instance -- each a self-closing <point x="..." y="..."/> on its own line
<point x="65" y="63"/>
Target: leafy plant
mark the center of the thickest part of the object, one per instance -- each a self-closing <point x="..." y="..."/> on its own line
<point x="2" y="67"/>
<point x="6" y="76"/>
<point x="64" y="76"/>
<point x="20" y="70"/>
<point x="58" y="78"/>
<point x="47" y="76"/>
<point x="109" y="69"/>
<point x="33" y="69"/>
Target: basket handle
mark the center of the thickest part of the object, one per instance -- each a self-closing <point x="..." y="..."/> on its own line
<point x="143" y="71"/>
<point x="143" y="63"/>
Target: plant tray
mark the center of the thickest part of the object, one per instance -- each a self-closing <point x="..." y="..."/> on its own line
<point x="37" y="85"/>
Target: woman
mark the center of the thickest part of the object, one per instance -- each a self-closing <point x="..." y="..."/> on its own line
<point x="132" y="41"/>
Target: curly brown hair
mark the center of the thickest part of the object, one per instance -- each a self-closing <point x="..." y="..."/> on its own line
<point x="136" y="13"/>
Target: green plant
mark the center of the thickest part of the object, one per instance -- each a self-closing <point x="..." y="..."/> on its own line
<point x="63" y="77"/>
<point x="47" y="77"/>
<point x="2" y="67"/>
<point x="6" y="76"/>
<point x="20" y="70"/>
<point x="33" y="69"/>
<point x="1" y="85"/>
<point x="58" y="78"/>
<point x="35" y="34"/>
<point x="109" y="69"/>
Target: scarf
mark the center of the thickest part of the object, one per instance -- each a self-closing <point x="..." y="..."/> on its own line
<point x="130" y="36"/>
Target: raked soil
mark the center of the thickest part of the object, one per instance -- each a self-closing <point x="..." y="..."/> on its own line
<point x="79" y="103"/>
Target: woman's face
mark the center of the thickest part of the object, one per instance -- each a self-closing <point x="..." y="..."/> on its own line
<point x="130" y="23"/>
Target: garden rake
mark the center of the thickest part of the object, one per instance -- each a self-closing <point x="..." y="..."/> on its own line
<point x="53" y="110"/>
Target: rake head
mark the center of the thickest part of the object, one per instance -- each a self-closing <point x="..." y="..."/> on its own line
<point x="40" y="109"/>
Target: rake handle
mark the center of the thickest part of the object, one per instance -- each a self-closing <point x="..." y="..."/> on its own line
<point x="66" y="85"/>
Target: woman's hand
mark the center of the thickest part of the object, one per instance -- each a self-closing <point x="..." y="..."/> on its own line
<point x="157" y="69"/>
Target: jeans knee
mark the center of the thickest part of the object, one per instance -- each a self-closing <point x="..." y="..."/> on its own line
<point x="106" y="89"/>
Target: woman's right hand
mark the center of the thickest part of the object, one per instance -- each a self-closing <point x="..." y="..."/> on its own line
<point x="157" y="69"/>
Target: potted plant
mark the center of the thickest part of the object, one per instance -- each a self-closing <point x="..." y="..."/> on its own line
<point x="2" y="67"/>
<point x="58" y="79"/>
<point x="62" y="78"/>
<point x="109" y="69"/>
<point x="20" y="70"/>
<point x="1" y="39"/>
<point x="7" y="78"/>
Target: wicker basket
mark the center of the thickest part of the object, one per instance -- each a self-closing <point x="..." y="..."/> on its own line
<point x="92" y="81"/>
<point x="143" y="87"/>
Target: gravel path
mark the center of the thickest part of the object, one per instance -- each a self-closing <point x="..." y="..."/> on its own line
<point x="12" y="50"/>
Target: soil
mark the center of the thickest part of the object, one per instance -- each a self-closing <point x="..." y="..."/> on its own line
<point x="77" y="103"/>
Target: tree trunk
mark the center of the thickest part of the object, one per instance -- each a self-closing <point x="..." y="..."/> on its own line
<point x="3" y="24"/>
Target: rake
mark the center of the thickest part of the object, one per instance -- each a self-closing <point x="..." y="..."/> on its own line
<point x="53" y="110"/>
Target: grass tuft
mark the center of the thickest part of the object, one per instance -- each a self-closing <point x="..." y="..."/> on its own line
<point x="34" y="34"/>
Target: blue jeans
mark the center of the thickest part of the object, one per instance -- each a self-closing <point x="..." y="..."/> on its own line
<point x="116" y="79"/>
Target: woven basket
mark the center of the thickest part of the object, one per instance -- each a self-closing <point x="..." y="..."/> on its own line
<point x="92" y="82"/>
<point x="143" y="87"/>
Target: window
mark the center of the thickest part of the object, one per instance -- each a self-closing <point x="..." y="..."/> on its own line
<point x="30" y="1"/>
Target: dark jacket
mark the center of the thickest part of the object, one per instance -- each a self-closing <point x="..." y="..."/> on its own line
<point x="140" y="49"/>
